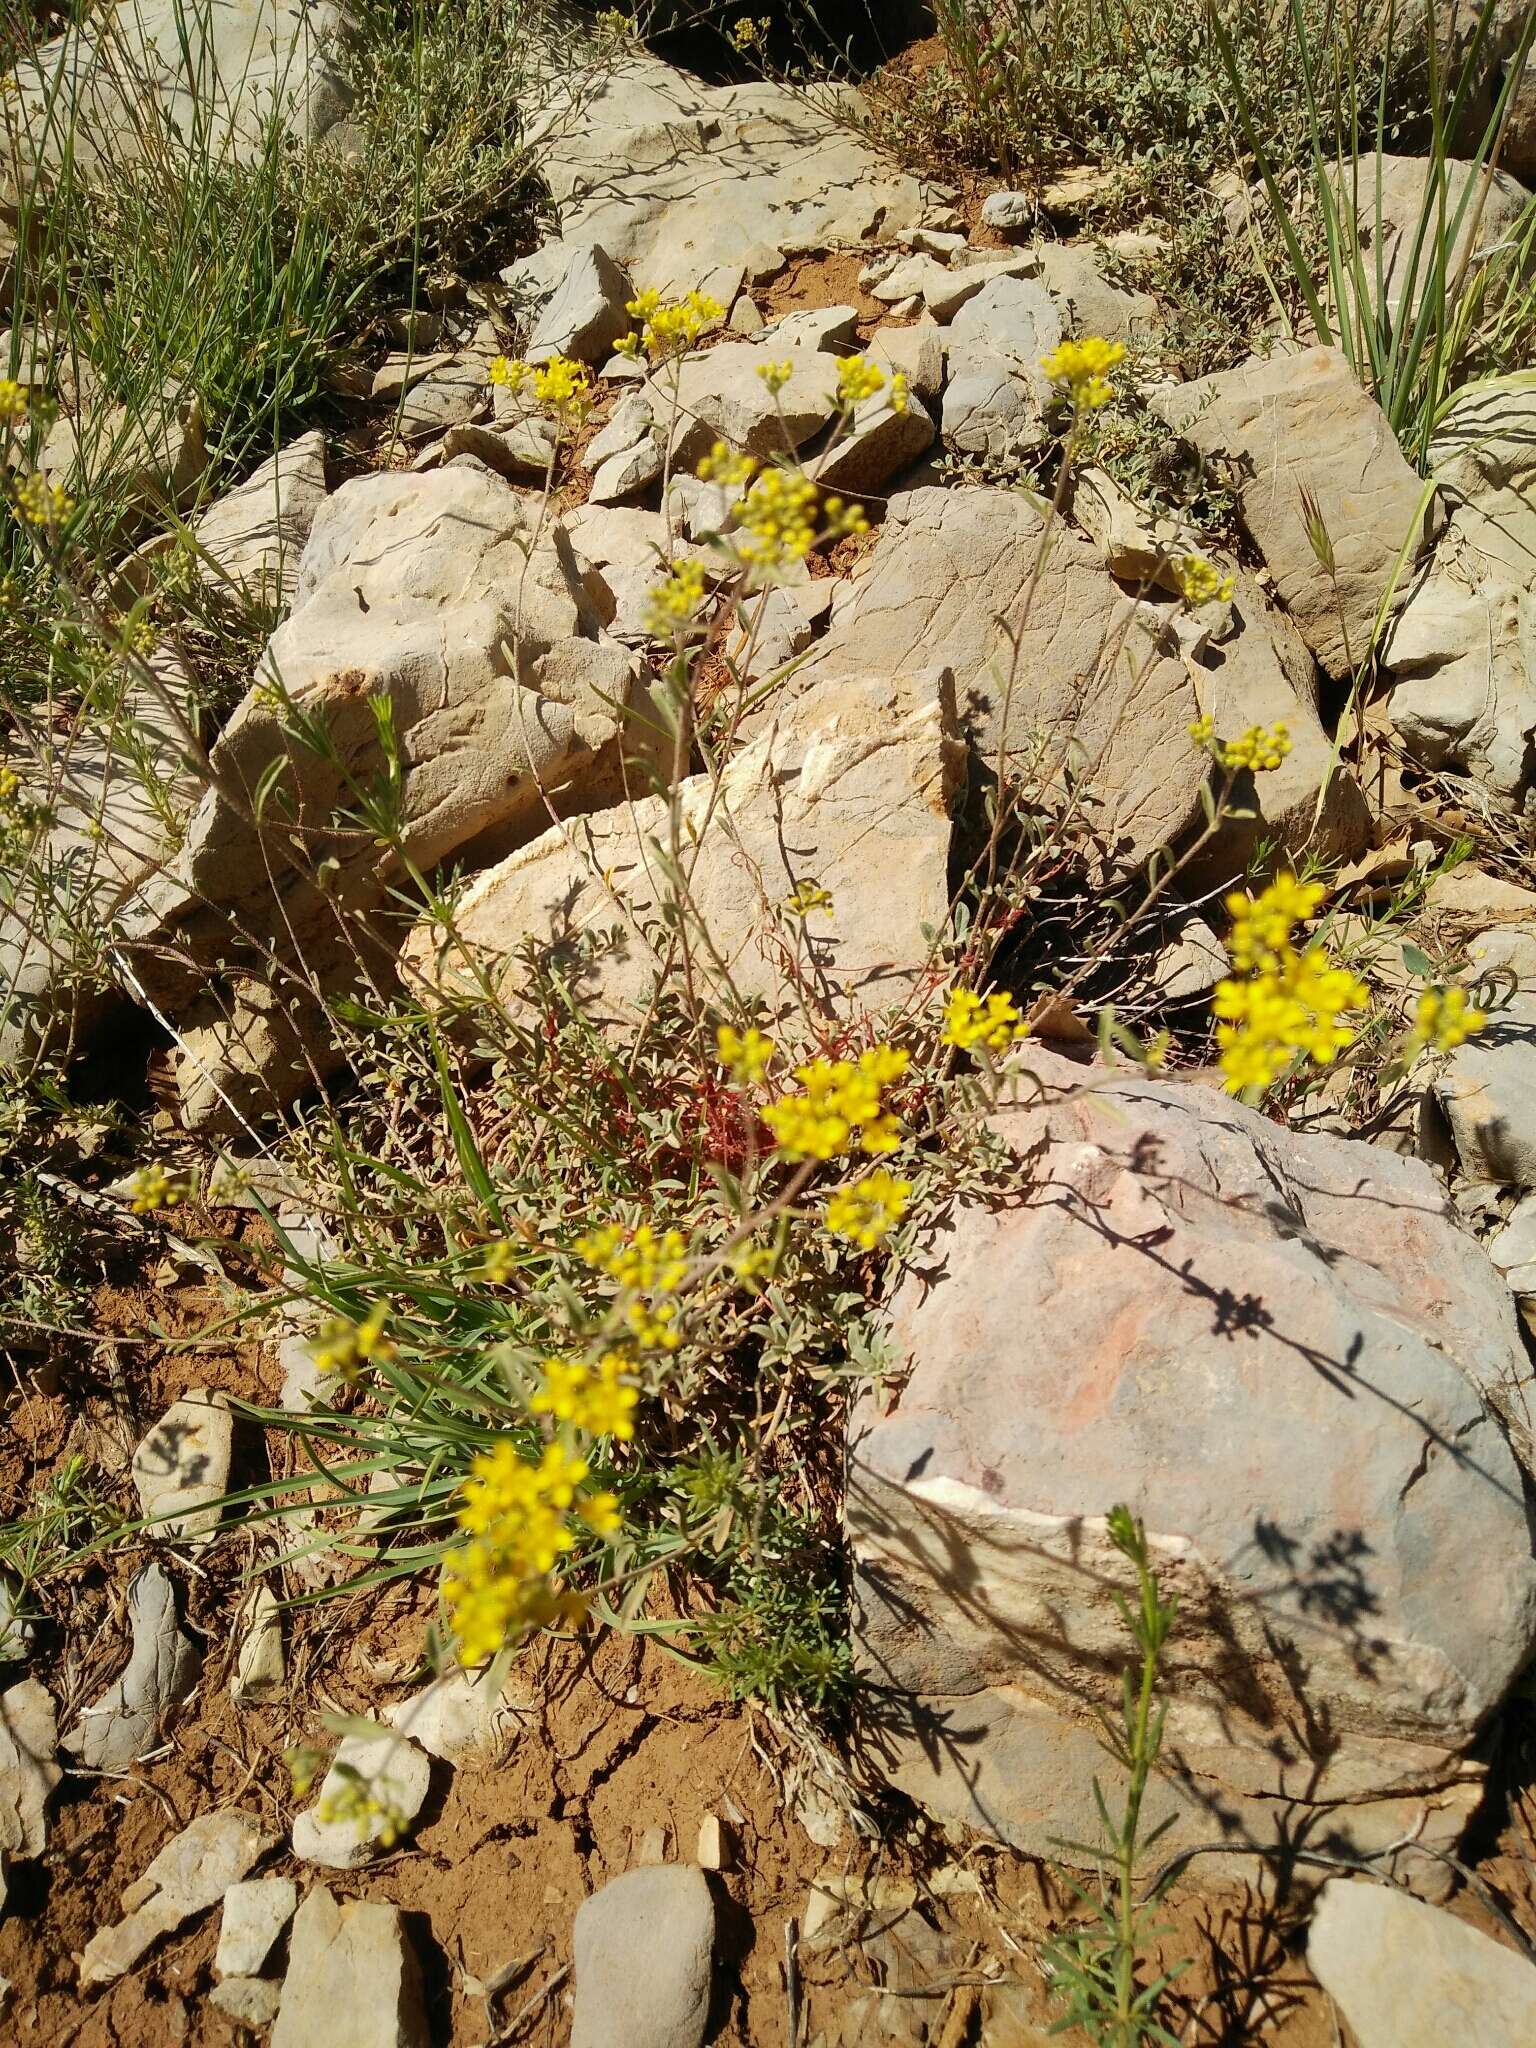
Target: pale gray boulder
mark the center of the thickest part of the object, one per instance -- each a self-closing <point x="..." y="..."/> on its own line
<point x="1407" y="1975"/>
<point x="1285" y="1355"/>
<point x="845" y="787"/>
<point x="584" y="315"/>
<point x="644" y="1952"/>
<point x="1298" y="427"/>
<point x="250" y="540"/>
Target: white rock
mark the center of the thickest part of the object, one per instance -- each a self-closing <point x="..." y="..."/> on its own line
<point x="253" y="2001"/>
<point x="584" y="316"/>
<point x="259" y="1666"/>
<point x="1407" y="1975"/>
<point x="254" y="535"/>
<point x="917" y="352"/>
<point x="28" y="1770"/>
<point x="644" y="1952"/>
<point x="193" y="1870"/>
<point x="832" y="329"/>
<point x="161" y="1668"/>
<point x="353" y="1980"/>
<point x="1487" y="1087"/>
<point x="721" y="396"/>
<point x="183" y="1465"/>
<point x="460" y="1718"/>
<point x="1512" y="1249"/>
<point x="878" y="443"/>
<point x="1005" y="211"/>
<point x="1074" y="273"/>
<point x="995" y="400"/>
<point x="389" y="1769"/>
<point x="255" y="1913"/>
<point x="715" y="1850"/>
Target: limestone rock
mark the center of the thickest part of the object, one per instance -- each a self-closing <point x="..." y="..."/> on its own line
<point x="1300" y="424"/>
<point x="156" y="454"/>
<point x="1386" y="196"/>
<point x="512" y="451"/>
<point x="1407" y="1975"/>
<point x="253" y="2001"/>
<point x="183" y="1465"/>
<point x="1487" y="1087"/>
<point x="995" y="400"/>
<point x="917" y="352"/>
<point x="387" y="1767"/>
<point x="353" y="1979"/>
<point x="259" y="1665"/>
<point x="1074" y="274"/>
<point x="948" y="565"/>
<point x="878" y="444"/>
<point x="722" y="397"/>
<point x="629" y="549"/>
<point x="629" y="452"/>
<point x="644" y="1952"/>
<point x="252" y="537"/>
<point x="194" y="1870"/>
<point x="845" y="787"/>
<point x="255" y="1913"/>
<point x="1139" y="547"/>
<point x="834" y="330"/>
<point x="1291" y="1362"/>
<point x="146" y="72"/>
<point x="1006" y="211"/>
<point x="460" y="1717"/>
<point x="162" y="1665"/>
<point x="691" y="186"/>
<point x="1463" y="651"/>
<point x="584" y="316"/>
<point x="28" y="1770"/>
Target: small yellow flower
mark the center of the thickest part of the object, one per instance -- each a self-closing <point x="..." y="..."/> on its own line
<point x="745" y="1055"/>
<point x="1203" y="732"/>
<point x="345" y="1348"/>
<point x="595" y="1399"/>
<point x="1442" y="1020"/>
<point x="1284" y="1000"/>
<point x="725" y="466"/>
<point x="41" y="503"/>
<point x="749" y="34"/>
<point x="970" y="1020"/>
<point x="1201" y="582"/>
<point x="858" y="379"/>
<point x="840" y="1102"/>
<point x="870" y="1208"/>
<point x="777" y="375"/>
<point x="498" y="1263"/>
<point x="1081" y="369"/>
<point x="153" y="1188"/>
<point x="512" y="374"/>
<point x="805" y="898"/>
<point x="672" y="605"/>
<point x="13" y="402"/>
<point x="899" y="391"/>
<point x="668" y="327"/>
<point x="1257" y="749"/>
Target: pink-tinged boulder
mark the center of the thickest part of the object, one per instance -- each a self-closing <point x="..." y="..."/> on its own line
<point x="1281" y="1352"/>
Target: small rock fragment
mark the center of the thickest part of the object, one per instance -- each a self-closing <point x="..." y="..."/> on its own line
<point x="585" y="314"/>
<point x="1005" y="211"/>
<point x="510" y="452"/>
<point x="194" y="1869"/>
<point x="353" y="1980"/>
<point x="387" y="1771"/>
<point x="162" y="1667"/>
<point x="644" y="1948"/>
<point x="715" y="1851"/>
<point x="255" y="1913"/>
<point x="28" y="1772"/>
<point x="259" y="1667"/>
<point x="460" y="1717"/>
<point x="1406" y="1975"/>
<point x="182" y="1466"/>
<point x="253" y="2001"/>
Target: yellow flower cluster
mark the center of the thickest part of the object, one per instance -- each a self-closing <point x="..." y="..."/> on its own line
<point x="354" y="1799"/>
<point x="745" y="1055"/>
<point x="672" y="605"/>
<point x="41" y="503"/>
<point x="498" y="1263"/>
<point x="668" y="326"/>
<point x="840" y="1104"/>
<point x="1284" y="1000"/>
<point x="805" y="897"/>
<point x="727" y="467"/>
<point x="1201" y="582"/>
<point x="345" y="1348"/>
<point x="1442" y="1020"/>
<point x="1081" y="369"/>
<point x="992" y="1021"/>
<point x="748" y="34"/>
<point x="858" y="379"/>
<point x="868" y="1209"/>
<point x="777" y="375"/>
<point x="562" y="386"/>
<point x="1259" y="748"/>
<point x="594" y="1398"/>
<point x="153" y="1188"/>
<point x="518" y="1519"/>
<point x="645" y="1265"/>
<point x="777" y="521"/>
<point x="13" y="402"/>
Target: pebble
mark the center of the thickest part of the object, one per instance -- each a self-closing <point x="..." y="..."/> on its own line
<point x="192" y="1872"/>
<point x="353" y="1979"/>
<point x="715" y="1850"/>
<point x="253" y="2001"/>
<point x="644" y="1951"/>
<point x="162" y="1666"/>
<point x="259" y="1666"/>
<point x="28" y="1772"/>
<point x="182" y="1467"/>
<point x="460" y="1717"/>
<point x="388" y="1768"/>
<point x="255" y="1913"/>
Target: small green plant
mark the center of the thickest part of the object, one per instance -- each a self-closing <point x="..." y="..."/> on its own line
<point x="1094" y="1968"/>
